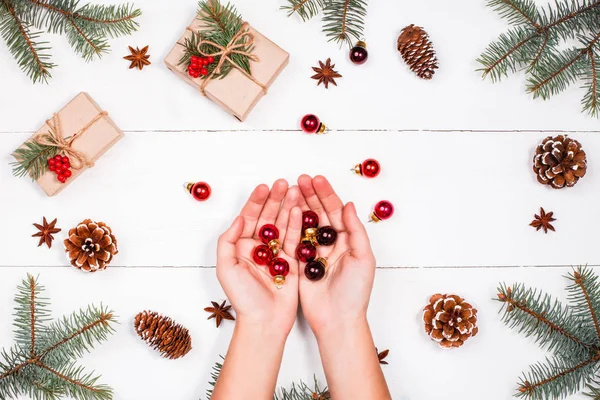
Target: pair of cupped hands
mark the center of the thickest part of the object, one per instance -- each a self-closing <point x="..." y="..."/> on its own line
<point x="342" y="296"/>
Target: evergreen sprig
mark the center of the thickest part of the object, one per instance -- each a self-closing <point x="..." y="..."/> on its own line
<point x="42" y="363"/>
<point x="87" y="29"/>
<point x="299" y="391"/>
<point x="32" y="158"/>
<point x="222" y="24"/>
<point x="571" y="333"/>
<point x="536" y="43"/>
<point x="343" y="20"/>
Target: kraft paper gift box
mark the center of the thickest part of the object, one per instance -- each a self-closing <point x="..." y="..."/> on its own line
<point x="236" y="93"/>
<point x="96" y="134"/>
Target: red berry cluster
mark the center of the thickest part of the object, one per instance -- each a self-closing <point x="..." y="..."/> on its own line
<point x="198" y="65"/>
<point x="61" y="166"/>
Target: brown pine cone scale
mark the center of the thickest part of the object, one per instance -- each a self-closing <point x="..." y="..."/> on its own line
<point x="163" y="334"/>
<point x="559" y="162"/>
<point x="91" y="246"/>
<point x="417" y="51"/>
<point x="449" y="320"/>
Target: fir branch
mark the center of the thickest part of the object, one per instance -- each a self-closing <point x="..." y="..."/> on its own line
<point x="21" y="41"/>
<point x="591" y="100"/>
<point x="344" y="20"/>
<point x="306" y="9"/>
<point x="32" y="158"/>
<point x="517" y="11"/>
<point x="79" y="384"/>
<point x="584" y="296"/>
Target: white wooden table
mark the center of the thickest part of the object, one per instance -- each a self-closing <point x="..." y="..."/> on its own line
<point x="456" y="155"/>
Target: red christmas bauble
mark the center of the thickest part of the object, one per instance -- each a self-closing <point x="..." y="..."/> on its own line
<point x="311" y="124"/>
<point x="315" y="270"/>
<point x="306" y="252"/>
<point x="326" y="236"/>
<point x="279" y="267"/>
<point x="267" y="233"/>
<point x="262" y="254"/>
<point x="383" y="210"/>
<point x="359" y="53"/>
<point x="310" y="219"/>
<point x="370" y="168"/>
<point x="201" y="191"/>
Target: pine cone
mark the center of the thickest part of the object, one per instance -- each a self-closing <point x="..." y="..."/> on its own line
<point x="559" y="161"/>
<point x="163" y="334"/>
<point x="449" y="320"/>
<point x="91" y="246"/>
<point x="417" y="51"/>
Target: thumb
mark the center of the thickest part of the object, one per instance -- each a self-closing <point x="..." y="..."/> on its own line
<point x="226" y="252"/>
<point x="358" y="238"/>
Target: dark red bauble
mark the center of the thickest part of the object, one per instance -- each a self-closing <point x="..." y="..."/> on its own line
<point x="370" y="168"/>
<point x="359" y="53"/>
<point x="310" y="219"/>
<point x="311" y="124"/>
<point x="326" y="236"/>
<point x="306" y="252"/>
<point x="267" y="233"/>
<point x="201" y="191"/>
<point x="262" y="254"/>
<point x="279" y="267"/>
<point x="314" y="270"/>
<point x="383" y="210"/>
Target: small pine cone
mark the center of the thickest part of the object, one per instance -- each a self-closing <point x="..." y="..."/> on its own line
<point x="449" y="320"/>
<point x="163" y="334"/>
<point x="91" y="246"/>
<point x="559" y="162"/>
<point x="417" y="51"/>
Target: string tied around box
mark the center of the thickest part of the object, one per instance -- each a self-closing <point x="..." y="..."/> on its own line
<point x="55" y="138"/>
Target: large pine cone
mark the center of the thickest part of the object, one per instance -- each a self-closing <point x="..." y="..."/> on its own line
<point x="91" y="246"/>
<point x="163" y="334"/>
<point x="559" y="162"/>
<point x="449" y="320"/>
<point x="417" y="51"/>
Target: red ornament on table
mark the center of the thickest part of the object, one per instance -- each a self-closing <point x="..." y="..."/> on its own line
<point x="312" y="124"/>
<point x="306" y="252"/>
<point x="369" y="168"/>
<point x="359" y="53"/>
<point x="200" y="191"/>
<point x="262" y="255"/>
<point x="268" y="233"/>
<point x="310" y="219"/>
<point x="382" y="211"/>
<point x="279" y="269"/>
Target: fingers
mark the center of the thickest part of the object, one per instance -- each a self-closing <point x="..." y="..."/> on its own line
<point x="312" y="200"/>
<point x="293" y="232"/>
<point x="252" y="209"/>
<point x="226" y="251"/>
<point x="358" y="238"/>
<point x="330" y="200"/>
<point x="272" y="205"/>
<point x="289" y="202"/>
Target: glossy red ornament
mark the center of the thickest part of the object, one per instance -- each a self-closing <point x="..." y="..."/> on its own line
<point x="369" y="168"/>
<point x="315" y="270"/>
<point x="201" y="191"/>
<point x="383" y="210"/>
<point x="312" y="124"/>
<point x="310" y="219"/>
<point x="267" y="233"/>
<point x="326" y="236"/>
<point x="359" y="53"/>
<point x="306" y="252"/>
<point x="279" y="267"/>
<point x="262" y="254"/>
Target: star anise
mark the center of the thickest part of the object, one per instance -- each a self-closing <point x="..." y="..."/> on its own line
<point x="46" y="230"/>
<point x="381" y="356"/>
<point x="326" y="74"/>
<point x="138" y="58"/>
<point x="219" y="312"/>
<point x="543" y="221"/>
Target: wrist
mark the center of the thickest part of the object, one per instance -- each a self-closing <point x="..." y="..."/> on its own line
<point x="261" y="332"/>
<point x="336" y="328"/>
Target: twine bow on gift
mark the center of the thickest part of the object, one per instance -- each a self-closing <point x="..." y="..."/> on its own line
<point x="55" y="138"/>
<point x="233" y="47"/>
